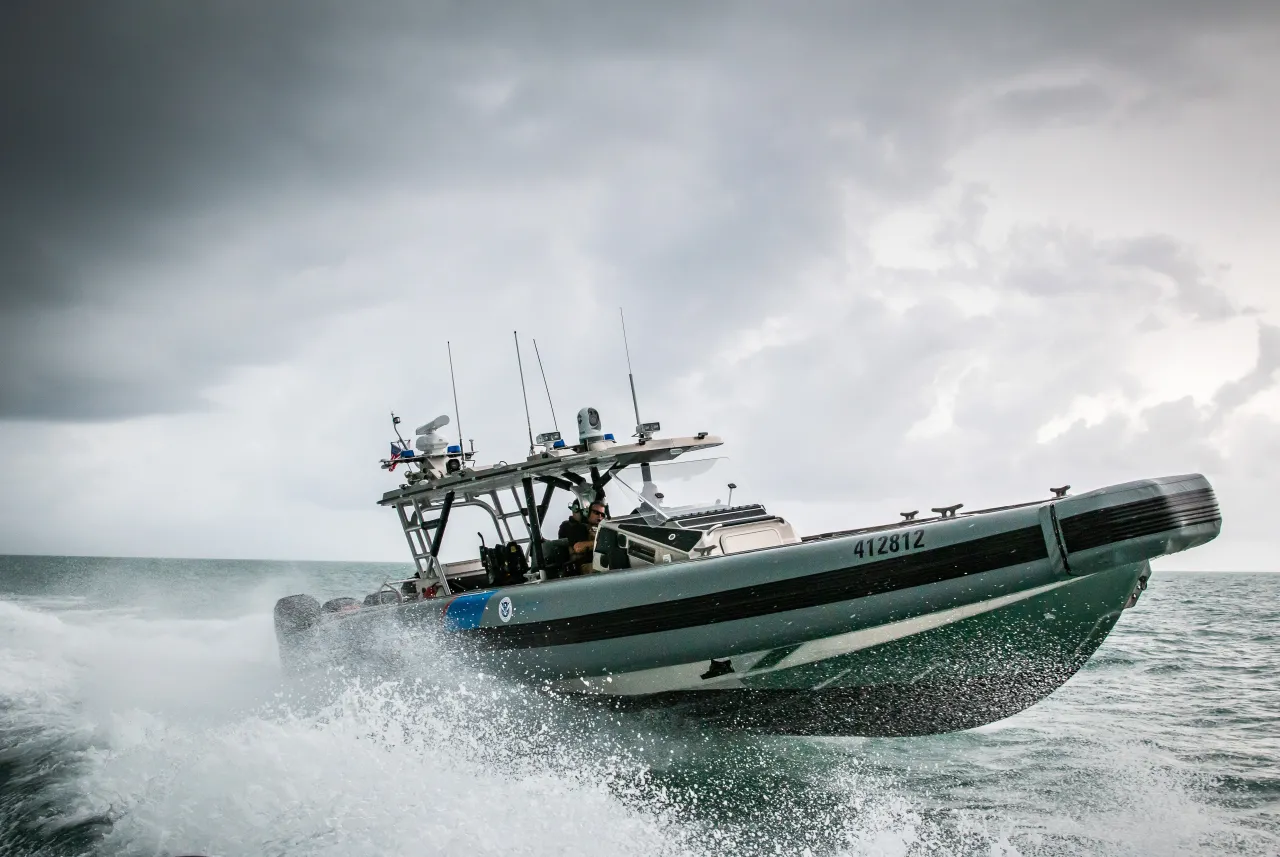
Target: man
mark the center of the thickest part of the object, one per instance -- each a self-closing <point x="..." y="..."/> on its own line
<point x="581" y="535"/>
<point x="574" y="525"/>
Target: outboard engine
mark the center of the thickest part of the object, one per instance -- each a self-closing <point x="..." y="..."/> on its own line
<point x="382" y="596"/>
<point x="295" y="616"/>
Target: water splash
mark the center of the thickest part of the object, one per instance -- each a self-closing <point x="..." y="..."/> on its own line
<point x="159" y="728"/>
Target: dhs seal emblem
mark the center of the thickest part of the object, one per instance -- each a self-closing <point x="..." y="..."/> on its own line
<point x="505" y="610"/>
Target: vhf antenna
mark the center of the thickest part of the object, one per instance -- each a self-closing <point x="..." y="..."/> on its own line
<point x="527" y="421"/>
<point x="456" y="416"/>
<point x="643" y="431"/>
<point x="630" y="377"/>
<point x="550" y="404"/>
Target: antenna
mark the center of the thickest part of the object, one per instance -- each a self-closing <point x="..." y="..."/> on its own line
<point x="527" y="421"/>
<point x="551" y="405"/>
<point x="630" y="377"/>
<point x="457" y="417"/>
<point x="644" y="431"/>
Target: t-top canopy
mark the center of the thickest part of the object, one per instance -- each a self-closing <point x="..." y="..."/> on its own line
<point x="480" y="481"/>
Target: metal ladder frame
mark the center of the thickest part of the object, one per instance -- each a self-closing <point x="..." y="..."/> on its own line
<point x="425" y="536"/>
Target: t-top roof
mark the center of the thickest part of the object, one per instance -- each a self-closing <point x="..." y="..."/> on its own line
<point x="499" y="477"/>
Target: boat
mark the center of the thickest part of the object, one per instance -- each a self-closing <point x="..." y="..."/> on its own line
<point x="723" y="613"/>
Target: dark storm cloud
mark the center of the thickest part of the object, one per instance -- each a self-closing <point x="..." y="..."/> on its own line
<point x="31" y="275"/>
<point x="169" y="171"/>
<point x="1057" y="103"/>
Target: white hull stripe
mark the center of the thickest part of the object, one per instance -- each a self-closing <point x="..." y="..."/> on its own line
<point x="689" y="676"/>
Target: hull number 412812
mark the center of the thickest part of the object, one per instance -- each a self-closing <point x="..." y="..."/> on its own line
<point x="889" y="544"/>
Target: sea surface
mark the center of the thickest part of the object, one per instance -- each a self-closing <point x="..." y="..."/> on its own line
<point x="143" y="712"/>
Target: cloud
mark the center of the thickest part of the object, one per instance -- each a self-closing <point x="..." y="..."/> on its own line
<point x="167" y="162"/>
<point x="1232" y="396"/>
<point x="1007" y="368"/>
<point x="233" y="236"/>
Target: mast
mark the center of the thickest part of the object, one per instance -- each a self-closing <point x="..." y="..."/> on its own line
<point x="630" y="377"/>
<point x="456" y="415"/>
<point x="545" y="386"/>
<point x="527" y="421"/>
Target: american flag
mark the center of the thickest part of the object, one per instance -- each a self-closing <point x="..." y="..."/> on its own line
<point x="397" y="453"/>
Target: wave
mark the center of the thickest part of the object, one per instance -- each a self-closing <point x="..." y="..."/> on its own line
<point x="165" y="727"/>
<point x="181" y="736"/>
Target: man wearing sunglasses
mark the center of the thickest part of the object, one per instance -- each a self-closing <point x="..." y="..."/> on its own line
<point x="581" y="535"/>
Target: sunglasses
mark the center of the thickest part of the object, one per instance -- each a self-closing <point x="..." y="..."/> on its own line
<point x="599" y="512"/>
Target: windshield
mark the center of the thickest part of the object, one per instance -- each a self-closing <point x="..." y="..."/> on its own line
<point x="659" y="491"/>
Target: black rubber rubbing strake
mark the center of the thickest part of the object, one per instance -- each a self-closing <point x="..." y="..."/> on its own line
<point x="829" y="587"/>
<point x="1142" y="518"/>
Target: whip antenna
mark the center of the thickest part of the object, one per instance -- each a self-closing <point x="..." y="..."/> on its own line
<point x="550" y="404"/>
<point x="527" y="421"/>
<point x="630" y="377"/>
<point x="456" y="416"/>
<point x="644" y="431"/>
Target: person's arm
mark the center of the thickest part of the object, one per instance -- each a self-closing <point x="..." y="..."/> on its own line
<point x="586" y="546"/>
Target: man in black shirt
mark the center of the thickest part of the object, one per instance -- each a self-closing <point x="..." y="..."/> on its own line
<point x="569" y="528"/>
<point x="581" y="535"/>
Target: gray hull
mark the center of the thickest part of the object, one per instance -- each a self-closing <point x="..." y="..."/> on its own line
<point x="911" y="629"/>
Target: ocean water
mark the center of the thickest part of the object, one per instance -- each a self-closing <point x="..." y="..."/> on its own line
<point x="143" y="712"/>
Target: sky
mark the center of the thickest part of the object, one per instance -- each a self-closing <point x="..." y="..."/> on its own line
<point x="897" y="255"/>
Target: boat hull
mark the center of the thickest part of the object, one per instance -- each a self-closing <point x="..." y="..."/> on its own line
<point x="905" y="630"/>
<point x="935" y="674"/>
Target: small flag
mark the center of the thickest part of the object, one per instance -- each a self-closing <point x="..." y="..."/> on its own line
<point x="397" y="453"/>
